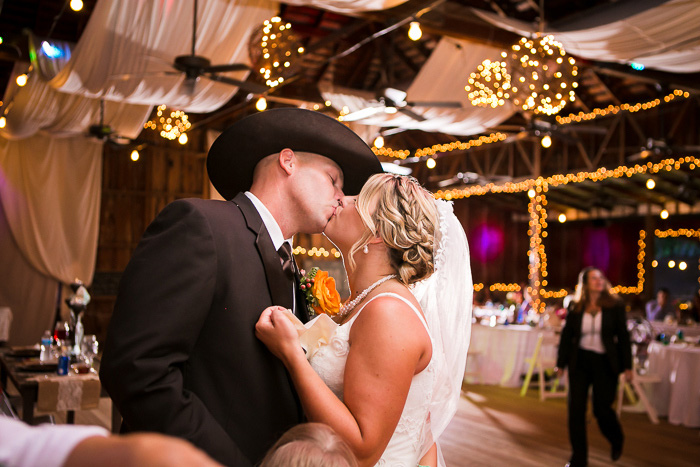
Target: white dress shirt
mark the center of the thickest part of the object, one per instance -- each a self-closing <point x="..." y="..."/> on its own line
<point x="590" y="332"/>
<point x="273" y="229"/>
<point x="22" y="445"/>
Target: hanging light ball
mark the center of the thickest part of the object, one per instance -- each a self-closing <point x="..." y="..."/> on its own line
<point x="171" y="125"/>
<point x="543" y="77"/>
<point x="275" y="51"/>
<point x="489" y="85"/>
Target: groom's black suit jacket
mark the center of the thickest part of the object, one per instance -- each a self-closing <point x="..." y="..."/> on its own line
<point x="181" y="356"/>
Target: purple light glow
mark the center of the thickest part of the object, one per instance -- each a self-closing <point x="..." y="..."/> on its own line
<point x="488" y="242"/>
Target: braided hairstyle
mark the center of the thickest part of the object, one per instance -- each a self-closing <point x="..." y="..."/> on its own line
<point x="403" y="214"/>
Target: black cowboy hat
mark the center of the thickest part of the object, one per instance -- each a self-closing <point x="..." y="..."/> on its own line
<point x="235" y="153"/>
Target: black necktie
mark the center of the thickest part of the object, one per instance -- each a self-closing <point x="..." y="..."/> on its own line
<point x="288" y="266"/>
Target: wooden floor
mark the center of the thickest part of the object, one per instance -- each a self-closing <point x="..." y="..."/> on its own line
<point x="496" y="427"/>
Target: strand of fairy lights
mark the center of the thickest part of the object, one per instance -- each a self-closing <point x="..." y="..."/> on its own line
<point x="614" y="109"/>
<point x="571" y="118"/>
<point x="563" y="179"/>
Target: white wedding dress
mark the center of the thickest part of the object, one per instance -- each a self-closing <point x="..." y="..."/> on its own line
<point x="404" y="447"/>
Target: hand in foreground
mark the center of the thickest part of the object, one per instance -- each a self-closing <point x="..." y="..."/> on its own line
<point x="142" y="449"/>
<point x="559" y="372"/>
<point x="629" y="376"/>
<point x="277" y="332"/>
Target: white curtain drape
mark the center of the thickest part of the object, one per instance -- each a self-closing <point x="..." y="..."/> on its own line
<point x="441" y="79"/>
<point x="348" y="6"/>
<point x="665" y="37"/>
<point x="38" y="107"/>
<point x="142" y="38"/>
<point x="50" y="197"/>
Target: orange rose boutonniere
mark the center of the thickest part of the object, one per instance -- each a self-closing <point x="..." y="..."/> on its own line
<point x="321" y="294"/>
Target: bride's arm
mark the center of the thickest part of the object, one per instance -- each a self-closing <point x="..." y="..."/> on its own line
<point x="386" y="346"/>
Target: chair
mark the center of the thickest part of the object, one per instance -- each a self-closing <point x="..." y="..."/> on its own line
<point x="635" y="388"/>
<point x="544" y="340"/>
<point x="474" y="357"/>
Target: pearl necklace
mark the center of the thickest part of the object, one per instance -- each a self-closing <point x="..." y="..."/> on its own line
<point x="349" y="306"/>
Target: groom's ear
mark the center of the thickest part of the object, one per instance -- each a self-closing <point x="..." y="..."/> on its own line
<point x="288" y="160"/>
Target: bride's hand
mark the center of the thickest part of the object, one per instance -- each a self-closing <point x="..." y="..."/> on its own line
<point x="277" y="332"/>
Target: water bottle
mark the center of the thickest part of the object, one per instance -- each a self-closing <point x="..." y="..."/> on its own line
<point x="63" y="361"/>
<point x="46" y="341"/>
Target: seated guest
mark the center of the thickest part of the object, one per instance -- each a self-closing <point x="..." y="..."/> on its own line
<point x="523" y="304"/>
<point x="693" y="311"/>
<point x="310" y="445"/>
<point x="22" y="445"/>
<point x="658" y="309"/>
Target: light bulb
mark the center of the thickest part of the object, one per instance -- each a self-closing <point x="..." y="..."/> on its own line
<point x="379" y="142"/>
<point x="22" y="79"/>
<point x="546" y="141"/>
<point x="671" y="264"/>
<point x="134" y="155"/>
<point x="261" y="104"/>
<point x="562" y="218"/>
<point x="654" y="263"/>
<point x="651" y="183"/>
<point x="531" y="193"/>
<point x="182" y="139"/>
<point x="664" y="214"/>
<point x="3" y="122"/>
<point x="76" y="5"/>
<point x="430" y="163"/>
<point x="414" y="31"/>
<point x="682" y="265"/>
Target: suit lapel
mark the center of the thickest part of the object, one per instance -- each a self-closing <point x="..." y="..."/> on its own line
<point x="277" y="282"/>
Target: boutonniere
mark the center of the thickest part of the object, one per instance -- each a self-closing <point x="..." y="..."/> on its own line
<point x="320" y="292"/>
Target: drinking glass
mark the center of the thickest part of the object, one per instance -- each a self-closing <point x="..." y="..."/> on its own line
<point x="61" y="331"/>
<point x="88" y="348"/>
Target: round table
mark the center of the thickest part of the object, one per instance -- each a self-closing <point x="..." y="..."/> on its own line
<point x="678" y="394"/>
<point x="497" y="354"/>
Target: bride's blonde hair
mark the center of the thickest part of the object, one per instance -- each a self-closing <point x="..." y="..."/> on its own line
<point x="402" y="213"/>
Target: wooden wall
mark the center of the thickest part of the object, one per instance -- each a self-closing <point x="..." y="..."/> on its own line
<point x="133" y="193"/>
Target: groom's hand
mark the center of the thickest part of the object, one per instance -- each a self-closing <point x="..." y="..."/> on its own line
<point x="278" y="333"/>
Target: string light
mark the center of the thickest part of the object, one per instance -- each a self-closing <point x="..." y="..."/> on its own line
<point x="379" y="142"/>
<point x="651" y="183"/>
<point x="654" y="263"/>
<point x="543" y="77"/>
<point x="546" y="141"/>
<point x="489" y="85"/>
<point x="430" y="163"/>
<point x="275" y="50"/>
<point x="76" y="5"/>
<point x="134" y="155"/>
<point x="261" y="104"/>
<point x="414" y="31"/>
<point x="316" y="251"/>
<point x="171" y="126"/>
<point x="682" y="265"/>
<point x="563" y="179"/>
<point x="562" y="218"/>
<point x="3" y="122"/>
<point x="614" y="109"/>
<point x="182" y="139"/>
<point x="388" y="152"/>
<point x="671" y="264"/>
<point x="21" y="80"/>
<point x="664" y="214"/>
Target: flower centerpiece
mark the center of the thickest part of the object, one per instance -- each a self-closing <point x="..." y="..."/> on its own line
<point x="320" y="292"/>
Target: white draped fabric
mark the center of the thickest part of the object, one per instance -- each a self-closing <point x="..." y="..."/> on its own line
<point x="38" y="107"/>
<point x="142" y="38"/>
<point x="665" y="37"/>
<point x="50" y="197"/>
<point x="441" y="79"/>
<point x="348" y="6"/>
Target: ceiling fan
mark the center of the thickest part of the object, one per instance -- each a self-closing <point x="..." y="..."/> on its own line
<point x="661" y="147"/>
<point x="195" y="67"/>
<point x="471" y="178"/>
<point x="104" y="132"/>
<point x="390" y="101"/>
<point x="538" y="128"/>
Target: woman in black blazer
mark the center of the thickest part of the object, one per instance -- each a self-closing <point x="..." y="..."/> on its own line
<point x="595" y="346"/>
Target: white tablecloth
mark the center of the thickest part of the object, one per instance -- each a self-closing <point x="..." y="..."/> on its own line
<point x="672" y="329"/>
<point x="497" y="354"/>
<point x="678" y="394"/>
<point x="5" y="323"/>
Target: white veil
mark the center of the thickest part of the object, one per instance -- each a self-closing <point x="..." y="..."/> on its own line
<point x="446" y="300"/>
